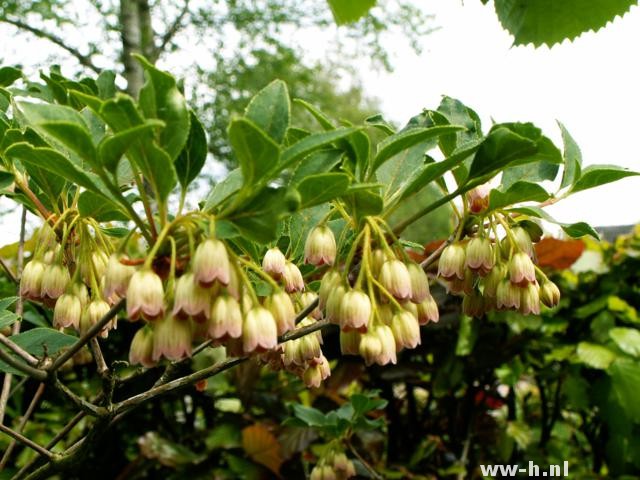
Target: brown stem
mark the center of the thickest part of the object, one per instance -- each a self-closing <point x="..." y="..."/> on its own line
<point x="8" y="271"/>
<point x="18" y="350"/>
<point x="172" y="30"/>
<point x="25" y="441"/>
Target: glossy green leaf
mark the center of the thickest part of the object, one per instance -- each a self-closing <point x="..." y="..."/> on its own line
<point x="310" y="144"/>
<point x="100" y="208"/>
<point x="7" y="302"/>
<point x="394" y="144"/>
<point x="192" y="158"/>
<point x="625" y="381"/>
<point x="452" y="111"/>
<point x="536" y="171"/>
<point x="502" y="147"/>
<point x="594" y="355"/>
<point x="7" y="318"/>
<point x="317" y="162"/>
<point x="349" y="11"/>
<point x="271" y="111"/>
<point x="160" y="98"/>
<point x="309" y="415"/>
<point x="113" y="147"/>
<point x="224" y="189"/>
<point x="8" y="75"/>
<point x="516" y="193"/>
<point x="572" y="159"/>
<point x="324" y="121"/>
<point x="75" y="137"/>
<point x="550" y="22"/>
<point x="366" y="202"/>
<point x="627" y="339"/>
<point x="322" y="187"/>
<point x="596" y="175"/>
<point x="575" y="230"/>
<point x="257" y="154"/>
<point x="258" y="219"/>
<point x="380" y="123"/>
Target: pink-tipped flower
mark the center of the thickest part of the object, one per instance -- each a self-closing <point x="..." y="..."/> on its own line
<point x="350" y="343"/>
<point x="226" y="319"/>
<point x="274" y="262"/>
<point x="211" y="263"/>
<point x="316" y="373"/>
<point x="304" y="349"/>
<point x="343" y="467"/>
<point x="473" y="305"/>
<point x="428" y="311"/>
<point x="492" y="280"/>
<point x="507" y="295"/>
<point x="479" y="198"/>
<point x="67" y="311"/>
<point x="116" y="279"/>
<point x="322" y="472"/>
<point x="260" y="332"/>
<point x="330" y="281"/>
<point x="334" y="303"/>
<point x="395" y="277"/>
<point x="191" y="300"/>
<point x="523" y="240"/>
<point x="172" y="338"/>
<point x="530" y="299"/>
<point x="320" y="247"/>
<point x="479" y="256"/>
<point x="141" y="350"/>
<point x="80" y="290"/>
<point x="293" y="281"/>
<point x="406" y="330"/>
<point x="97" y="265"/>
<point x="355" y="311"/>
<point x="521" y="269"/>
<point x="31" y="280"/>
<point x="281" y="307"/>
<point x="145" y="296"/>
<point x="549" y="294"/>
<point x="307" y="298"/>
<point x="452" y="262"/>
<point x="95" y="311"/>
<point x="388" y="343"/>
<point x="419" y="283"/>
<point x="378" y="258"/>
<point x="55" y="280"/>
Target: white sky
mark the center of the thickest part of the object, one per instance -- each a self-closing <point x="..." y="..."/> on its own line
<point x="591" y="85"/>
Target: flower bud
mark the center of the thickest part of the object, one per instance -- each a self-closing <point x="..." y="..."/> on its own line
<point x="211" y="263"/>
<point x="191" y="300"/>
<point x="260" y="332"/>
<point x="67" y="311"/>
<point x="406" y="330"/>
<point x="281" y="307"/>
<point x="479" y="256"/>
<point x="303" y="349"/>
<point x="473" y="305"/>
<point x="343" y="466"/>
<point x="395" y="277"/>
<point x="521" y="269"/>
<point x="234" y="287"/>
<point x="307" y="298"/>
<point x="428" y="311"/>
<point x="523" y="240"/>
<point x="80" y="290"/>
<point x="225" y="320"/>
<point x="293" y="281"/>
<point x="530" y="299"/>
<point x="171" y="338"/>
<point x="97" y="265"/>
<point x="350" y="343"/>
<point x="492" y="280"/>
<point x="334" y="303"/>
<point x="320" y="247"/>
<point x="274" y="262"/>
<point x="419" y="283"/>
<point x="116" y="279"/>
<point x="378" y="258"/>
<point x="329" y="282"/>
<point x="507" y="295"/>
<point x="95" y="311"/>
<point x="145" y="296"/>
<point x="355" y="311"/>
<point x="316" y="373"/>
<point x="478" y="198"/>
<point x="451" y="263"/>
<point x="55" y="280"/>
<point x="549" y="294"/>
<point x="322" y="472"/>
<point x="378" y="346"/>
<point x="457" y="286"/>
<point x="31" y="280"/>
<point x="370" y="347"/>
<point x="141" y="350"/>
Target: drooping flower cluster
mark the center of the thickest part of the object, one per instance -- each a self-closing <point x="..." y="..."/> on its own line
<point x="497" y="273"/>
<point x="333" y="466"/>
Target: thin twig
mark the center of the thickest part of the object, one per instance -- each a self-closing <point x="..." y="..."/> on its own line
<point x="23" y="422"/>
<point x="25" y="441"/>
<point x="99" y="358"/>
<point x="81" y="403"/>
<point x="88" y="335"/>
<point x="18" y="350"/>
<point x="8" y="271"/>
<point x="36" y="373"/>
<point x="364" y="463"/>
<point x="173" y="29"/>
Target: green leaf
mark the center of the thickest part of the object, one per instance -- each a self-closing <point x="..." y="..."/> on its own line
<point x="106" y="83"/>
<point x="531" y="172"/>
<point x="300" y="224"/>
<point x="596" y="175"/>
<point x="467" y="336"/>
<point x="113" y="147"/>
<point x="100" y="208"/>
<point x="271" y="111"/>
<point x="7" y="318"/>
<point x="394" y="144"/>
<point x="453" y="112"/>
<point x="380" y="123"/>
<point x="516" y="193"/>
<point x="551" y="22"/>
<point x="625" y="382"/>
<point x="572" y="157"/>
<point x="192" y="158"/>
<point x="322" y="187"/>
<point x="39" y="341"/>
<point x="161" y="99"/>
<point x="224" y="189"/>
<point x="75" y="137"/>
<point x="317" y="162"/>
<point x="594" y="355"/>
<point x="349" y="11"/>
<point x="258" y="219"/>
<point x="311" y="143"/>
<point x="574" y="230"/>
<point x="366" y="202"/>
<point x="8" y="75"/>
<point x="309" y="415"/>
<point x="360" y="146"/>
<point x="7" y="302"/>
<point x="321" y="118"/>
<point x="627" y="339"/>
<point x="257" y="154"/>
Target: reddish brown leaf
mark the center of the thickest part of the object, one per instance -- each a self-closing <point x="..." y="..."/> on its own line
<point x="262" y="446"/>
<point x="558" y="254"/>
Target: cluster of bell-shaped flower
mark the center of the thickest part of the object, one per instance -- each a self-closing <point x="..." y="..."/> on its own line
<point x="335" y="465"/>
<point x="380" y="312"/>
<point x="493" y="273"/>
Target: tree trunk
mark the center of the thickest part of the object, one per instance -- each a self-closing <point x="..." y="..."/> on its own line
<point x="131" y="41"/>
